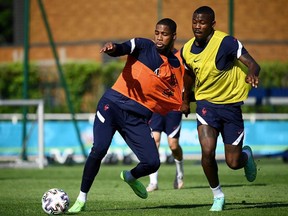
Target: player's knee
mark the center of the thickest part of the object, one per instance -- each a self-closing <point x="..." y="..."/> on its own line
<point x="96" y="154"/>
<point x="153" y="165"/>
<point x="175" y="148"/>
<point x="208" y="155"/>
<point x="233" y="164"/>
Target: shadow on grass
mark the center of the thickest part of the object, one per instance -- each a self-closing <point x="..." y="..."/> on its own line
<point x="187" y="206"/>
<point x="223" y="186"/>
<point x="228" y="206"/>
<point x="244" y="205"/>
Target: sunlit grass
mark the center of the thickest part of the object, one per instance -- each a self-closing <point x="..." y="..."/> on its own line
<point x="21" y="191"/>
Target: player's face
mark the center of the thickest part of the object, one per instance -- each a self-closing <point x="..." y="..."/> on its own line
<point x="202" y="26"/>
<point x="164" y="38"/>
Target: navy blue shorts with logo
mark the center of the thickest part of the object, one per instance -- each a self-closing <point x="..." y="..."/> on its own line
<point x="225" y="118"/>
<point x="170" y="123"/>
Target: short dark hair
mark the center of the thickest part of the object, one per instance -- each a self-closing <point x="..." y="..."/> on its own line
<point x="168" y="22"/>
<point x="206" y="10"/>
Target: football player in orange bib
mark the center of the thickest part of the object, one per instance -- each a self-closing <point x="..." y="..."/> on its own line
<point x="151" y="81"/>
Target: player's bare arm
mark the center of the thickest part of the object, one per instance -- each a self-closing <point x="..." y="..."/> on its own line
<point x="189" y="81"/>
<point x="253" y="69"/>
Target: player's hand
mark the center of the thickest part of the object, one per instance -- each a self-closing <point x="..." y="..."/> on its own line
<point x="252" y="79"/>
<point x="185" y="109"/>
<point x="109" y="47"/>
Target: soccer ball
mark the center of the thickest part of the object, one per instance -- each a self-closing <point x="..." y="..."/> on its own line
<point x="55" y="201"/>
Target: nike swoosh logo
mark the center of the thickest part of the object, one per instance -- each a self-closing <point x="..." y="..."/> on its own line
<point x="196" y="60"/>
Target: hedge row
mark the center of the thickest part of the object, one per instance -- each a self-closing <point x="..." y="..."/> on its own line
<point x="87" y="81"/>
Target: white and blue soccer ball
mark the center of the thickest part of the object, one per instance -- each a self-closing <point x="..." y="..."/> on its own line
<point x="55" y="201"/>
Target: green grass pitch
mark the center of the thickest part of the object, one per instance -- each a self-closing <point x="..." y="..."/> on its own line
<point x="21" y="191"/>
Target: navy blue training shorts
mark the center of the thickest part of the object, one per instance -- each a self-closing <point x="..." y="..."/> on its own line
<point x="225" y="118"/>
<point x="170" y="123"/>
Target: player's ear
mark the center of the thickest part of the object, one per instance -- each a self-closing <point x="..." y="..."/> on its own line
<point x="213" y="23"/>
<point x="174" y="36"/>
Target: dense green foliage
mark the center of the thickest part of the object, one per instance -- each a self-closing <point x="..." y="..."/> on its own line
<point x="87" y="81"/>
<point x="22" y="190"/>
<point x="274" y="75"/>
<point x="83" y="80"/>
<point x="12" y="81"/>
<point x="79" y="79"/>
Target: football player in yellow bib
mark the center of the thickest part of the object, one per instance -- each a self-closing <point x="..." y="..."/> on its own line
<point x="214" y="62"/>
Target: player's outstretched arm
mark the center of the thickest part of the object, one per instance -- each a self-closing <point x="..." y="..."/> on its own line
<point x="108" y="48"/>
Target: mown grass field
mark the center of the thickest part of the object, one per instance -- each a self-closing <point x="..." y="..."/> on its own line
<point x="21" y="191"/>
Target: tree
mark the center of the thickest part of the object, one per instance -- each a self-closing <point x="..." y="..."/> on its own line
<point x="6" y="22"/>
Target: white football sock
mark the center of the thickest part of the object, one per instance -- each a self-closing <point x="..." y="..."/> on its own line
<point x="217" y="192"/>
<point x="82" y="197"/>
<point x="179" y="168"/>
<point x="154" y="178"/>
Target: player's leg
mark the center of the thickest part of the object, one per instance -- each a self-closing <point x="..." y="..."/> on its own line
<point x="233" y="134"/>
<point x="209" y="123"/>
<point x="172" y="129"/>
<point x="137" y="134"/>
<point x="153" y="177"/>
<point x="157" y="125"/>
<point x="102" y="125"/>
<point x="178" y="158"/>
<point x="208" y="140"/>
<point x="175" y="148"/>
<point x="235" y="158"/>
